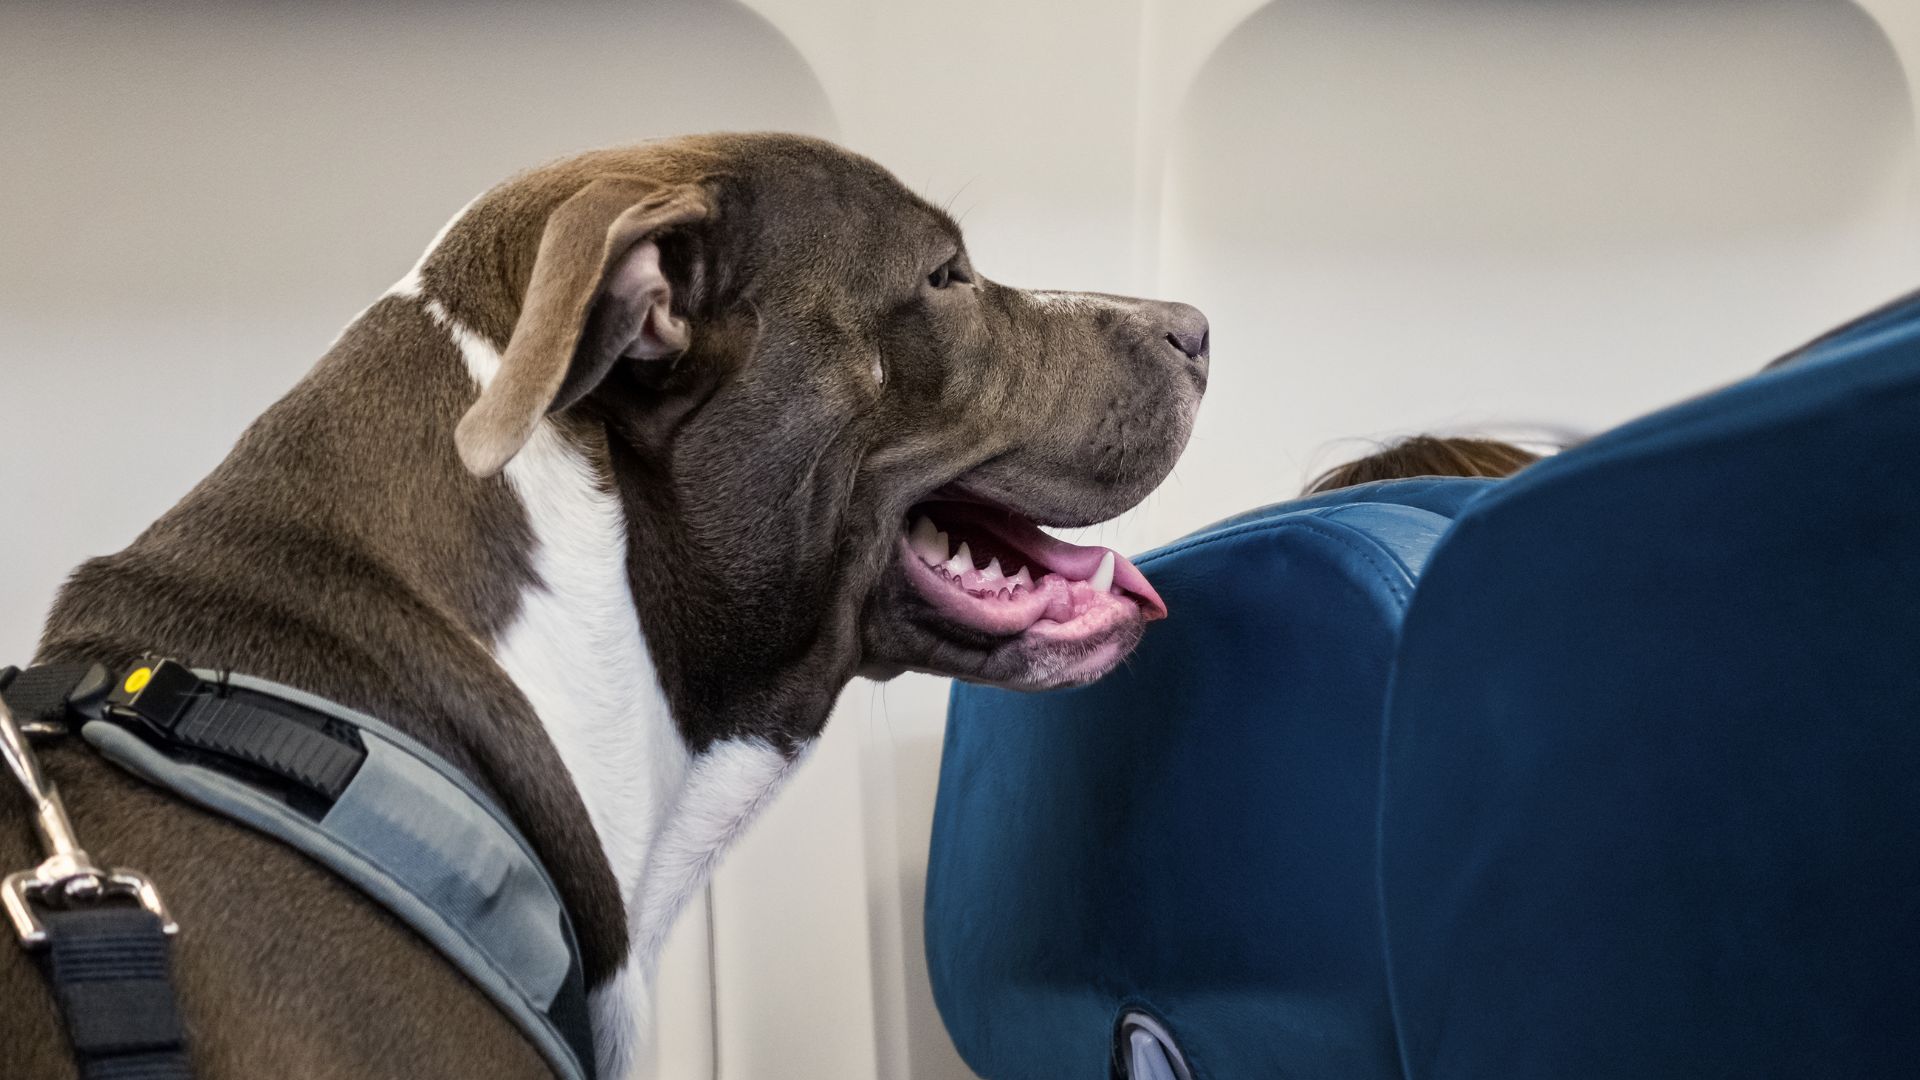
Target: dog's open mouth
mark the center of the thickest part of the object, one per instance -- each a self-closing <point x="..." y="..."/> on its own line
<point x="991" y="570"/>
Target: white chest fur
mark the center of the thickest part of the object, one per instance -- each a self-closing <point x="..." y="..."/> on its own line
<point x="663" y="815"/>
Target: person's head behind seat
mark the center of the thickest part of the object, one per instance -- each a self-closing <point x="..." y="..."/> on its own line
<point x="1427" y="455"/>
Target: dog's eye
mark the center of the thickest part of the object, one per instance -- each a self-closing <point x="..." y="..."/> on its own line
<point x="949" y="274"/>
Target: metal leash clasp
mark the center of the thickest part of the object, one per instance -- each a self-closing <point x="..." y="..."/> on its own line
<point x="69" y="875"/>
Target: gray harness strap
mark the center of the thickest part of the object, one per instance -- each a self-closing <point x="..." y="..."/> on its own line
<point x="415" y="835"/>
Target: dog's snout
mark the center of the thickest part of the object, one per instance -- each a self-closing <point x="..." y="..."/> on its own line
<point x="1186" y="330"/>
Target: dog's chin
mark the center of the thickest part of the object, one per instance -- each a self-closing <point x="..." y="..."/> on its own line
<point x="980" y="593"/>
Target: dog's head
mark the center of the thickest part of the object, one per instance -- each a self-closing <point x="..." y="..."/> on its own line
<point x="834" y="438"/>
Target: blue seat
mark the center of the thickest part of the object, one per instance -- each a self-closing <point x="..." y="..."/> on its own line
<point x="1192" y="837"/>
<point x="1652" y="790"/>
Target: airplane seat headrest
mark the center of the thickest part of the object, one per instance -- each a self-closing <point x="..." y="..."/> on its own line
<point x="1191" y="840"/>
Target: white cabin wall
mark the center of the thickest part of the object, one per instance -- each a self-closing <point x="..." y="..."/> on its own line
<point x="1399" y="215"/>
<point x="1623" y="205"/>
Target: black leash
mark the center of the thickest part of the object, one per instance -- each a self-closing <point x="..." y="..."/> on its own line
<point x="102" y="936"/>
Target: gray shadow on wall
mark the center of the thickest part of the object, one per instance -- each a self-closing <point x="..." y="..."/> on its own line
<point x="274" y="151"/>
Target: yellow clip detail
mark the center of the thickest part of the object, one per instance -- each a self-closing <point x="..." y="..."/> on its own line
<point x="138" y="680"/>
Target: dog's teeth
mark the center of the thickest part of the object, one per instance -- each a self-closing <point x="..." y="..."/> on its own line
<point x="1022" y="580"/>
<point x="928" y="542"/>
<point x="993" y="571"/>
<point x="1103" y="577"/>
<point x="961" y="562"/>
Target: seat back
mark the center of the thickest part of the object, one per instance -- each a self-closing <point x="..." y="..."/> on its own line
<point x="1192" y="837"/>
<point x="1652" y="791"/>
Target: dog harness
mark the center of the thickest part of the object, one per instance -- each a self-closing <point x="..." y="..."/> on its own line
<point x="353" y="794"/>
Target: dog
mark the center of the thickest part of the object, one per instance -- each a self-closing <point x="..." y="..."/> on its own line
<point x="651" y="453"/>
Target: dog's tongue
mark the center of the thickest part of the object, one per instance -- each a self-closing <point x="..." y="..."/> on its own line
<point x="1070" y="575"/>
<point x="1081" y="563"/>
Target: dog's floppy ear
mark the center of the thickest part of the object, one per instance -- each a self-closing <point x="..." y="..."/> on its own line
<point x="599" y="245"/>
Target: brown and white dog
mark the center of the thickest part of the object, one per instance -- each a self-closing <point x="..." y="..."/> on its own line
<point x="653" y="451"/>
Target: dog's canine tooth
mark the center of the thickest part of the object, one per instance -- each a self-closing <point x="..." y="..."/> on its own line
<point x="962" y="560"/>
<point x="928" y="542"/>
<point x="1102" y="580"/>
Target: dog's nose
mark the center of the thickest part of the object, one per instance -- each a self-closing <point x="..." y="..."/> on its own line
<point x="1186" y="330"/>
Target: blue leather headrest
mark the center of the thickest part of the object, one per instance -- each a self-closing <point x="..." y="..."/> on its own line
<point x="1194" y="835"/>
<point x="1652" y="796"/>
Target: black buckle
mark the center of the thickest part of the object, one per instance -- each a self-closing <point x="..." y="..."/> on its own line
<point x="276" y="739"/>
<point x="45" y="697"/>
<point x="157" y="693"/>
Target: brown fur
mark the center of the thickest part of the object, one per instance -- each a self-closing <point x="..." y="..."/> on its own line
<point x="582" y="239"/>
<point x="369" y="577"/>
